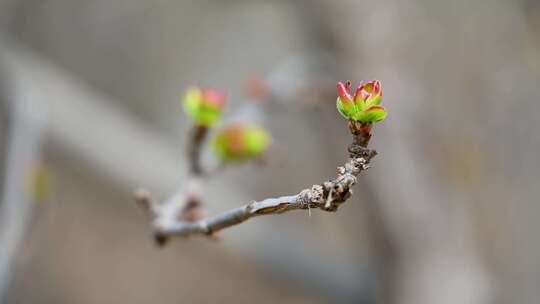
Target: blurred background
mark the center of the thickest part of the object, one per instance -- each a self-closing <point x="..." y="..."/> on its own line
<point x="90" y="109"/>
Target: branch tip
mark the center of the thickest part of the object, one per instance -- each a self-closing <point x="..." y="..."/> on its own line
<point x="172" y="219"/>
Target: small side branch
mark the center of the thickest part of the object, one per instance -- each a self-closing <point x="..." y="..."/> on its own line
<point x="198" y="135"/>
<point x="327" y="196"/>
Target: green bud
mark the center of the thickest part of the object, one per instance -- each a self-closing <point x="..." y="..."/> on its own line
<point x="204" y="106"/>
<point x="364" y="105"/>
<point x="240" y="142"/>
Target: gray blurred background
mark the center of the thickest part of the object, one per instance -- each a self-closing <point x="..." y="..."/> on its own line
<point x="90" y="98"/>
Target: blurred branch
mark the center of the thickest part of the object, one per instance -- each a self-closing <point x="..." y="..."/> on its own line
<point x="327" y="196"/>
<point x="198" y="136"/>
<point x="73" y="107"/>
<point x="26" y="126"/>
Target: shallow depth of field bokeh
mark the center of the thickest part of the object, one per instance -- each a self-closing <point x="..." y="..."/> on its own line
<point x="448" y="213"/>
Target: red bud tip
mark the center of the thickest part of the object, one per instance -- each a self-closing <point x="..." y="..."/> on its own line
<point x="343" y="91"/>
<point x="366" y="90"/>
<point x="213" y="97"/>
<point x="377" y="88"/>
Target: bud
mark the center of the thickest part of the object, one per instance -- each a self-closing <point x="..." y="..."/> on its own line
<point x="364" y="105"/>
<point x="204" y="106"/>
<point x="240" y="142"/>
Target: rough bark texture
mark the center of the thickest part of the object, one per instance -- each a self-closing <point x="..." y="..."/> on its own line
<point x="168" y="219"/>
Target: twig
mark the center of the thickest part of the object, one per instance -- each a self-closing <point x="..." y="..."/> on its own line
<point x="327" y="196"/>
<point x="198" y="136"/>
<point x="24" y="146"/>
<point x="186" y="206"/>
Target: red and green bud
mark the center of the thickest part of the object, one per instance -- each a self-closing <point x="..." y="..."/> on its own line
<point x="240" y="142"/>
<point x="345" y="102"/>
<point x="364" y="105"/>
<point x="204" y="106"/>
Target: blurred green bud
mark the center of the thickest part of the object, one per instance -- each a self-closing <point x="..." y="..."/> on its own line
<point x="204" y="106"/>
<point x="364" y="105"/>
<point x="240" y="142"/>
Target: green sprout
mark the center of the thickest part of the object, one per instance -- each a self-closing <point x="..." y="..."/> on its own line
<point x="240" y="143"/>
<point x="204" y="106"/>
<point x="364" y="106"/>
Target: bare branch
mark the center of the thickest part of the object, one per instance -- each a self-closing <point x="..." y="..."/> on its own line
<point x="328" y="196"/>
<point x="198" y="135"/>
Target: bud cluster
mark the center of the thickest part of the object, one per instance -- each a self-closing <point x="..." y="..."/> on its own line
<point x="364" y="105"/>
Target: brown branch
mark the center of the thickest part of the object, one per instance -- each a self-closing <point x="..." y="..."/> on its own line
<point x="327" y="196"/>
<point x="198" y="135"/>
